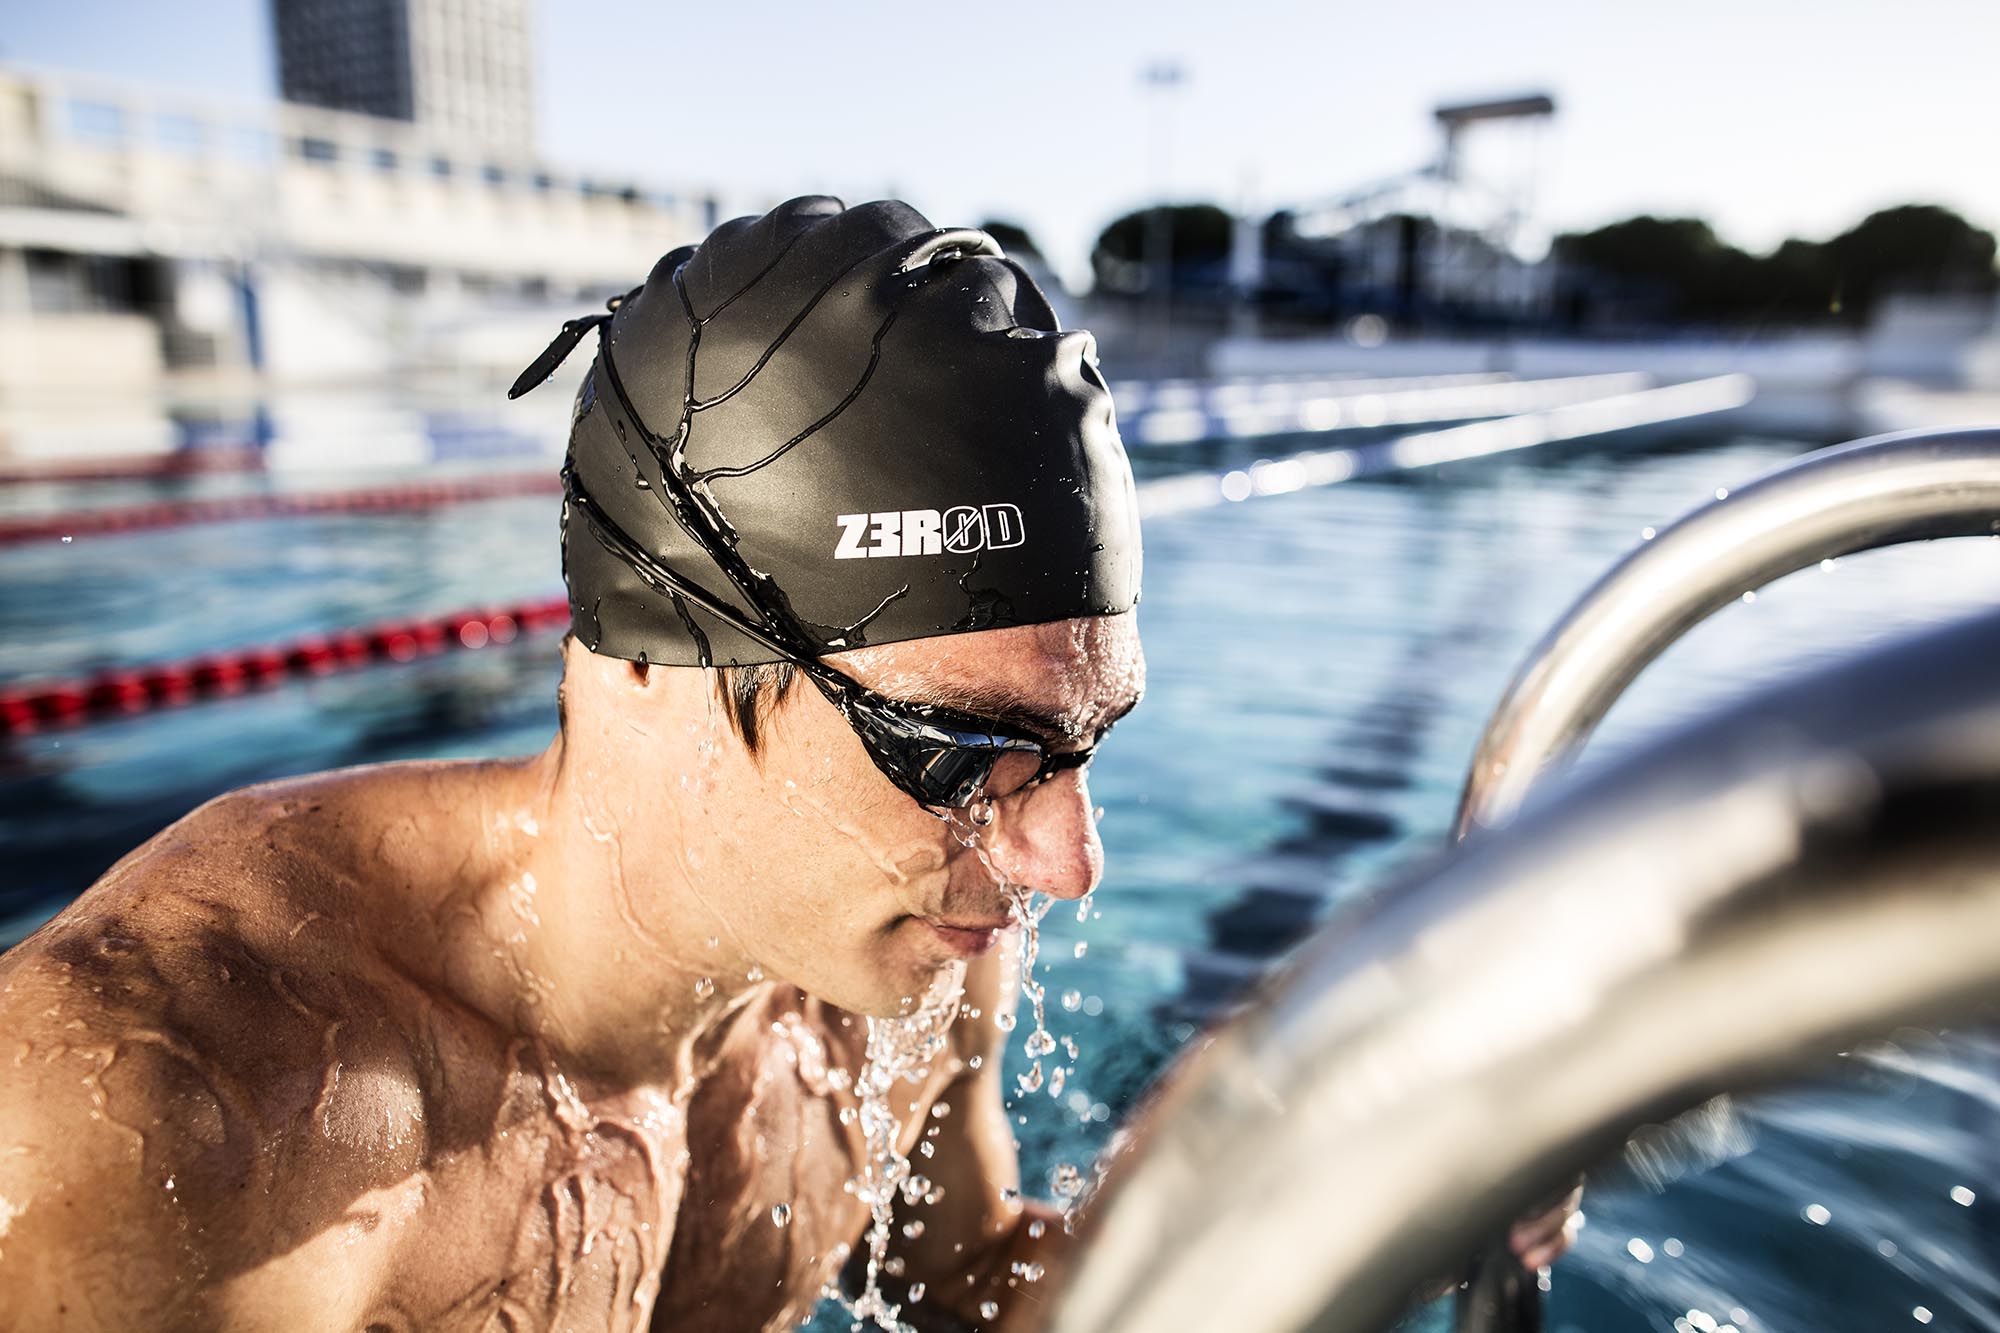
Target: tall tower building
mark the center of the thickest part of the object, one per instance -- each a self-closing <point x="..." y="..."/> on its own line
<point x="461" y="67"/>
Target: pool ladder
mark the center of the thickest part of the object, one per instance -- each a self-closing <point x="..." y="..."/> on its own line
<point x="1725" y="907"/>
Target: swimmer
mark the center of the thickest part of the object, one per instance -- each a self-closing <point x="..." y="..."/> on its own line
<point x="569" y="1041"/>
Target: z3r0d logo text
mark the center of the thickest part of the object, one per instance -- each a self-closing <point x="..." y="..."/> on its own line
<point x="960" y="529"/>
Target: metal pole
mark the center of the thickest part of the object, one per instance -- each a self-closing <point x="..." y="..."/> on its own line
<point x="1877" y="492"/>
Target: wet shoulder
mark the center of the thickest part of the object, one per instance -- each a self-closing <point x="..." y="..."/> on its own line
<point x="198" y="1047"/>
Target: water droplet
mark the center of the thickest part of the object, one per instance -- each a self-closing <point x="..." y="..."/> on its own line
<point x="1039" y="1043"/>
<point x="1921" y="1314"/>
<point x="913" y="1228"/>
<point x="1672" y="1248"/>
<point x="1036" y="1228"/>
<point x="1004" y="1021"/>
<point x="781" y="1214"/>
<point x="980" y="813"/>
<point x="989" y="1309"/>
<point x="1639" y="1250"/>
<point x="1816" y="1213"/>
<point x="1031" y="1081"/>
<point x="1722" y="492"/>
<point x="1962" y="1196"/>
<point x="704" y="987"/>
<point x="755" y="973"/>
<point x="1082" y="948"/>
<point x="1646" y="534"/>
<point x="1072" y="1000"/>
<point x="940" y="1110"/>
<point x="68" y="540"/>
<point x="1749" y="596"/>
<point x="1066" y="1180"/>
<point x="916" y="1293"/>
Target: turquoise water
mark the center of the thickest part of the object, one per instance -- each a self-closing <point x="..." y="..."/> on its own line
<point x="1321" y="665"/>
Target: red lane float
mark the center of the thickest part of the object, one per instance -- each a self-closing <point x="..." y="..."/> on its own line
<point x="126" y="690"/>
<point x="374" y="500"/>
<point x="180" y="463"/>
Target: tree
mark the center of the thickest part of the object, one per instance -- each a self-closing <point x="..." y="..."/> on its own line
<point x="1198" y="240"/>
<point x="1013" y="238"/>
<point x="1673" y="266"/>
<point x="1678" y="268"/>
<point x="1914" y="248"/>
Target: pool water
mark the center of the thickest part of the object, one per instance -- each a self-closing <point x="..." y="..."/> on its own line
<point x="1321" y="665"/>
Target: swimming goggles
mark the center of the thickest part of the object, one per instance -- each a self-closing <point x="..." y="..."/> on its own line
<point x="938" y="756"/>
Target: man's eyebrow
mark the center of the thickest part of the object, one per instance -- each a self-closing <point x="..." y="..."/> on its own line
<point x="1002" y="704"/>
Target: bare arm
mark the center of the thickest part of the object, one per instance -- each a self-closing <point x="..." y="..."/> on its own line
<point x="159" y="1165"/>
<point x="92" y="1233"/>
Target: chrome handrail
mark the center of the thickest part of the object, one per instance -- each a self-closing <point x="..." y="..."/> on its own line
<point x="1876" y="492"/>
<point x="1882" y="491"/>
<point x="1817" y="864"/>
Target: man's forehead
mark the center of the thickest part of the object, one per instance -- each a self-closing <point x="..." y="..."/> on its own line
<point x="1082" y="671"/>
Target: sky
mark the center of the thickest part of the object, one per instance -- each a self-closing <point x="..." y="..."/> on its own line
<point x="1768" y="117"/>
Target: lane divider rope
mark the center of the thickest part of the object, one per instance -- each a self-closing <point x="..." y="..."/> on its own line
<point x="371" y="500"/>
<point x="123" y="691"/>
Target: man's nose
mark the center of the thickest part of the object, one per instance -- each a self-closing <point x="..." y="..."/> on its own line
<point x="1046" y="838"/>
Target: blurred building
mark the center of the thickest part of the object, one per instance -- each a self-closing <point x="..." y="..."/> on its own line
<point x="463" y="68"/>
<point x="159" y="244"/>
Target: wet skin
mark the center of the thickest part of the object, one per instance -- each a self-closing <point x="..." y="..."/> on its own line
<point x="535" y="1043"/>
<point x="541" y="1043"/>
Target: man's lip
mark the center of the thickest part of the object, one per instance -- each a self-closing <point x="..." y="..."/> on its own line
<point x="1000" y="924"/>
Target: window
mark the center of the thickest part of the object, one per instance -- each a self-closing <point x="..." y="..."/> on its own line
<point x="97" y="120"/>
<point x="318" y="150"/>
<point x="181" y="134"/>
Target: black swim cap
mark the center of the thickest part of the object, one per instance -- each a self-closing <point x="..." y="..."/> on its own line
<point x="852" y="427"/>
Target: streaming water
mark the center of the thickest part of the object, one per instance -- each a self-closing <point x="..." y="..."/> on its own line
<point x="899" y="1050"/>
<point x="1040" y="1043"/>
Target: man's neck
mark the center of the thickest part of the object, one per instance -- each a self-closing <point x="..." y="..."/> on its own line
<point x="559" y="933"/>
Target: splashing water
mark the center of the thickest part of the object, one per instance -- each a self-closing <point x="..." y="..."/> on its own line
<point x="1039" y="1043"/>
<point x="903" y="1050"/>
<point x="900" y="1050"/>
